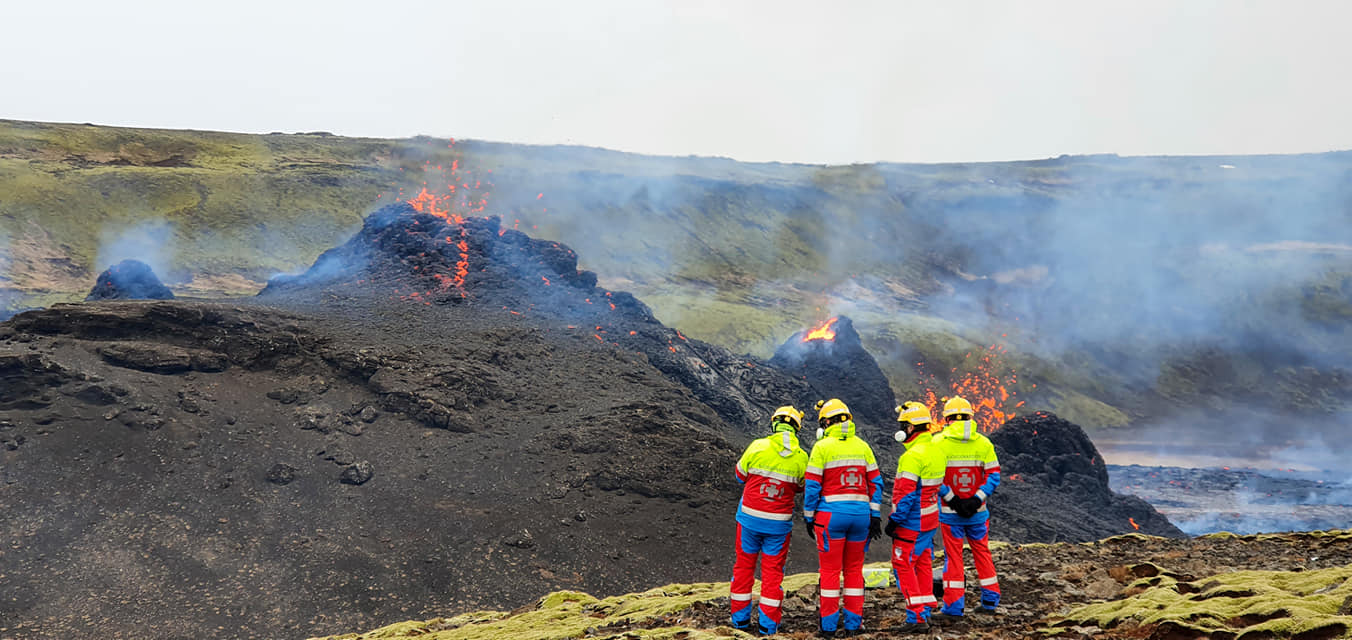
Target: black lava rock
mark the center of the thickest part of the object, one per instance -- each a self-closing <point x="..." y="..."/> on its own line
<point x="1054" y="486"/>
<point x="434" y="260"/>
<point x="6" y="314"/>
<point x="281" y="473"/>
<point x="129" y="280"/>
<point x="357" y="473"/>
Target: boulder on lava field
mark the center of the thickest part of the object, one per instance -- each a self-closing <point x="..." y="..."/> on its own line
<point x="129" y="280"/>
<point x="357" y="473"/>
<point x="833" y="360"/>
<point x="1054" y="487"/>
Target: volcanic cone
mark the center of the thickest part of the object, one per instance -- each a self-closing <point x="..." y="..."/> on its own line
<point x="129" y="280"/>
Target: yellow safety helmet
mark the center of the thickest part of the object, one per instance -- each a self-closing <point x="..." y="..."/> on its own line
<point x="958" y="405"/>
<point x="788" y="414"/>
<point x="832" y="408"/>
<point x="914" y="413"/>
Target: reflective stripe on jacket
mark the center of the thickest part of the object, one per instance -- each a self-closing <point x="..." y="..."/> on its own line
<point x="971" y="469"/>
<point x="772" y="470"/>
<point x="842" y="475"/>
<point x="915" y="491"/>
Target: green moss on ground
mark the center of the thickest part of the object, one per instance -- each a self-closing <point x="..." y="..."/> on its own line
<point x="1242" y="604"/>
<point x="567" y="614"/>
<point x="571" y="614"/>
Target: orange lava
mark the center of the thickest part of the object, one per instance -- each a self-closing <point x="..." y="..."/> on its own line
<point x="451" y="202"/>
<point x="822" y="332"/>
<point x="988" y="385"/>
<point x="1133" y="524"/>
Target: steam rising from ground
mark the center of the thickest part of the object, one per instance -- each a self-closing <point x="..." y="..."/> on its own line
<point x="1133" y="262"/>
<point x="151" y="242"/>
<point x="6" y="297"/>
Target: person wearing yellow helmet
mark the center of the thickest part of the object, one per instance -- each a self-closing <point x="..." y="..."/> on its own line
<point x="915" y="514"/>
<point x="771" y="471"/>
<point x="841" y="510"/>
<point x="972" y="472"/>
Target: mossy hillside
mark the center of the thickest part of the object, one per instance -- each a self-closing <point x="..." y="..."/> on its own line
<point x="235" y="203"/>
<point x="258" y="205"/>
<point x="726" y="251"/>
<point x="1242" y="604"/>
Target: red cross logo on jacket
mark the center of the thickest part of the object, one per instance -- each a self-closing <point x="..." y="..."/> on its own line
<point x="966" y="481"/>
<point x="771" y="489"/>
<point x="852" y="478"/>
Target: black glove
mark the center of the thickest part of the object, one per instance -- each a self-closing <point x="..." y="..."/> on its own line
<point x="875" y="528"/>
<point x="977" y="504"/>
<point x="890" y="529"/>
<point x="811" y="529"/>
<point x="962" y="508"/>
<point x="966" y="507"/>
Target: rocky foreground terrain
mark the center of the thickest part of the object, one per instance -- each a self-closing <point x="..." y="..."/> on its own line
<point x="1223" y="586"/>
<point x="441" y="416"/>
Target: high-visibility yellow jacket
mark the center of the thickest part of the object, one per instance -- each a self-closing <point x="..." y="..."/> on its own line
<point x="971" y="469"/>
<point x="915" y="491"/>
<point x="771" y="470"/>
<point x="842" y="475"/>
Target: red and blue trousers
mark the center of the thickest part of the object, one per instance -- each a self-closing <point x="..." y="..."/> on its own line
<point x="772" y="550"/>
<point x="974" y="536"/>
<point x="912" y="564"/>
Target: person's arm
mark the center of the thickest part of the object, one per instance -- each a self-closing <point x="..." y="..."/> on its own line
<point x="992" y="465"/>
<point x="812" y="492"/>
<point x="875" y="477"/>
<point x="741" y="469"/>
<point x="905" y="492"/>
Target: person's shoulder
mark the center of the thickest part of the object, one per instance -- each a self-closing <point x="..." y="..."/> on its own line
<point x="758" y="443"/>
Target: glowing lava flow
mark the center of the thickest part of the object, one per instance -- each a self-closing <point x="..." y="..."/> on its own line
<point x="823" y="332"/>
<point x="462" y="193"/>
<point x="987" y="386"/>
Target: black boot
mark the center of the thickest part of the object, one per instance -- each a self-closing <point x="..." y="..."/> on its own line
<point x="944" y="618"/>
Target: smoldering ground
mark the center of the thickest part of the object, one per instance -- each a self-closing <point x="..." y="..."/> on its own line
<point x="1154" y="269"/>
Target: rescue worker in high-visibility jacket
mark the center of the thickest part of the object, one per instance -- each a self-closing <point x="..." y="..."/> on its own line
<point x="915" y="514"/>
<point x="841" y="510"/>
<point x="972" y="474"/>
<point x="771" y="470"/>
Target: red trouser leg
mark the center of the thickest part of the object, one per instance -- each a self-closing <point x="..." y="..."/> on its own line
<point x="829" y="556"/>
<point x="904" y="566"/>
<point x="924" y="580"/>
<point x="853" y="565"/>
<point x="772" y="580"/>
<point x="985" y="567"/>
<point x="954" y="586"/>
<point x="743" y="578"/>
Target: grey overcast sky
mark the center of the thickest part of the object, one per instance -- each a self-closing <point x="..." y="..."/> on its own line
<point x="820" y="82"/>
